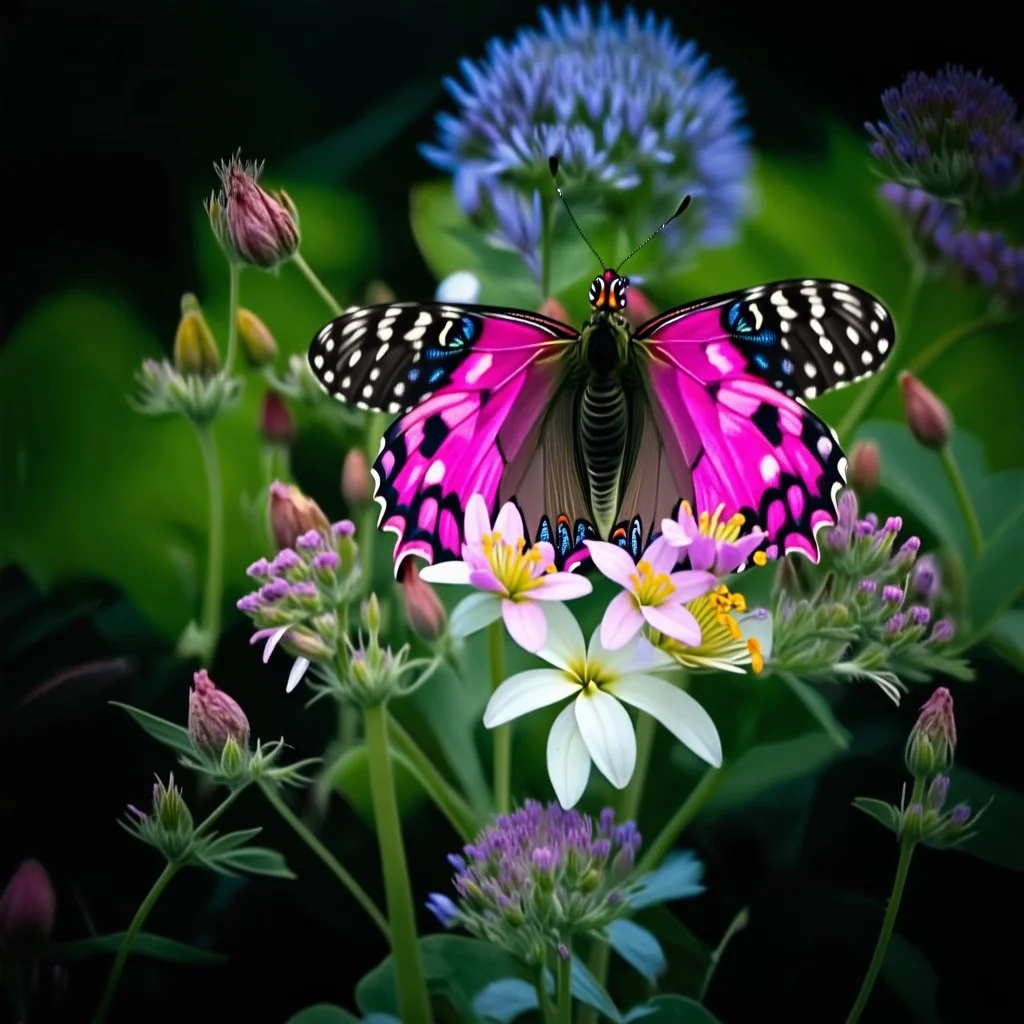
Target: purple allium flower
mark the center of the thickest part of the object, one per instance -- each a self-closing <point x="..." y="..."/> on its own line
<point x="919" y="615"/>
<point x="629" y="110"/>
<point x="443" y="908"/>
<point x="326" y="561"/>
<point x="249" y="604"/>
<point x="954" y="134"/>
<point x="285" y="560"/>
<point x="892" y="595"/>
<point x="311" y="540"/>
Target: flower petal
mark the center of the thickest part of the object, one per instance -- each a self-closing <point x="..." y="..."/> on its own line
<point x="296" y="674"/>
<point x="275" y="638"/>
<point x="509" y="524"/>
<point x="621" y="622"/>
<point x="525" y="623"/>
<point x="613" y="562"/>
<point x="675" y="621"/>
<point x="473" y="613"/>
<point x="608" y="733"/>
<point x="546" y="556"/>
<point x="661" y="555"/>
<point x="561" y="586"/>
<point x="477" y="521"/>
<point x="731" y="554"/>
<point x="675" y="709"/>
<point x="640" y="655"/>
<point x="568" y="760"/>
<point x="565" y="642"/>
<point x="690" y="584"/>
<point x="446" y="572"/>
<point x="674" y="533"/>
<point x="484" y="579"/>
<point x="525" y="692"/>
<point x="757" y="625"/>
<point x="702" y="551"/>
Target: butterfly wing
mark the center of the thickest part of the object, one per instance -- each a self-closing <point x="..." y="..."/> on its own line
<point x="473" y="385"/>
<point x="727" y="377"/>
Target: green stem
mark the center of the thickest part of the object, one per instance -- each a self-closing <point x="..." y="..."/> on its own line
<point x="739" y="922"/>
<point x="334" y="866"/>
<point x="547" y="231"/>
<point x="944" y="342"/>
<point x="564" y="1015"/>
<point x="870" y="393"/>
<point x="448" y="801"/>
<point x="318" y="286"/>
<point x="413" y="1002"/>
<point x="907" y="844"/>
<point x="503" y="734"/>
<point x="544" y="1004"/>
<point x="234" y="273"/>
<point x="214" y="589"/>
<point x="170" y="870"/>
<point x="692" y="806"/>
<point x="218" y="810"/>
<point x="963" y="498"/>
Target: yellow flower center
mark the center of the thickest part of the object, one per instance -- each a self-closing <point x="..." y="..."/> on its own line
<point x="513" y="566"/>
<point x="713" y="526"/>
<point x="651" y="587"/>
<point x="723" y="602"/>
<point x="756" y="657"/>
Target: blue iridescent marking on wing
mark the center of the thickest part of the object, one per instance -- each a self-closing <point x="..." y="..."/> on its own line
<point x="468" y="328"/>
<point x="636" y="537"/>
<point x="564" y="544"/>
<point x="435" y="375"/>
<point x="761" y="361"/>
<point x="787" y="365"/>
<point x="544" y="533"/>
<point x="414" y="373"/>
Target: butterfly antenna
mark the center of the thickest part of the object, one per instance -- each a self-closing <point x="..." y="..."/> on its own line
<point x="553" y="167"/>
<point x="679" y="209"/>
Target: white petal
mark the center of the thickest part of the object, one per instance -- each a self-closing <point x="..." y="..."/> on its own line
<point x="608" y="733"/>
<point x="474" y="613"/>
<point x="446" y="572"/>
<point x="509" y="524"/>
<point x="525" y="623"/>
<point x="477" y="522"/>
<point x="565" y="643"/>
<point x="759" y="628"/>
<point x="568" y="760"/>
<point x="675" y="709"/>
<point x="274" y="640"/>
<point x="526" y="692"/>
<point x="296" y="674"/>
<point x="640" y="655"/>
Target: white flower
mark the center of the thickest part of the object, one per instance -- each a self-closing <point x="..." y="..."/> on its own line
<point x="595" y="727"/>
<point x="462" y="286"/>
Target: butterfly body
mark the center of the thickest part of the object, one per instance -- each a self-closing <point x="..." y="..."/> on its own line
<point x="601" y="432"/>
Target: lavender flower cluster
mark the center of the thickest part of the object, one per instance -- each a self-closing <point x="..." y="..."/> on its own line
<point x="540" y="876"/>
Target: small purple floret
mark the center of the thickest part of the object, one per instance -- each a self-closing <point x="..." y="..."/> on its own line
<point x="443" y="908"/>
<point x="919" y="615"/>
<point x="284" y="560"/>
<point x="259" y="569"/>
<point x="943" y="631"/>
<point x="326" y="561"/>
<point x="343" y="528"/>
<point x="867" y="586"/>
<point x="275" y="590"/>
<point x="892" y="595"/>
<point x="310" y="540"/>
<point x="304" y="590"/>
<point x="961" y="814"/>
<point x="250" y="603"/>
<point x="894" y="624"/>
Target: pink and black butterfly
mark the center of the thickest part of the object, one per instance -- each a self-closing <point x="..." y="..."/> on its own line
<point x="601" y="432"/>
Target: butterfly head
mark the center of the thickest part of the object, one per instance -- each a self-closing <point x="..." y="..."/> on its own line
<point x="608" y="291"/>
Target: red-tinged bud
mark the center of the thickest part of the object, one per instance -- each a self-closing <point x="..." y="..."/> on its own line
<point x="355" y="478"/>
<point x="214" y="717"/>
<point x="195" y="351"/>
<point x="292" y="514"/>
<point x="932" y="741"/>
<point x="554" y="309"/>
<point x="27" y="909"/>
<point x="258" y="343"/>
<point x="277" y="425"/>
<point x="865" y="467"/>
<point x="253" y="225"/>
<point x="423" y="609"/>
<point x="639" y="308"/>
<point x="927" y="416"/>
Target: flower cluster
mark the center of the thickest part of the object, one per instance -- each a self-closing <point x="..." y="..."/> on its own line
<point x="540" y="877"/>
<point x="869" y="612"/>
<point x="628" y="109"/>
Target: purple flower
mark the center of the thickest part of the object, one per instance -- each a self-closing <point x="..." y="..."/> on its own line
<point x="892" y="595"/>
<point x="932" y="742"/>
<point x="919" y="615"/>
<point x="284" y="561"/>
<point x="937" y="792"/>
<point x="260" y="569"/>
<point x="343" y="528"/>
<point x="443" y="908"/>
<point x="867" y="586"/>
<point x="960" y="815"/>
<point x="711" y="543"/>
<point x="250" y="603"/>
<point x="275" y="590"/>
<point x="942" y="632"/>
<point x="894" y="624"/>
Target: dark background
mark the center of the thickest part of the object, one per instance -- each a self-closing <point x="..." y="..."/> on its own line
<point x="113" y="113"/>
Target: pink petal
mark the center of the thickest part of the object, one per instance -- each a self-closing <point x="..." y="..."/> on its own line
<point x="546" y="552"/>
<point x="509" y="524"/>
<point x="690" y="584"/>
<point x="613" y="562"/>
<point x="675" y="621"/>
<point x="478" y="522"/>
<point x="525" y="623"/>
<point x="622" y="621"/>
<point x="561" y="586"/>
<point x="484" y="579"/>
<point x="702" y="551"/>
<point x="730" y="555"/>
<point x="661" y="556"/>
<point x="674" y="533"/>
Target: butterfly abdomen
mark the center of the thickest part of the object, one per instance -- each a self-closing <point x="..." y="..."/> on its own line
<point x="602" y="431"/>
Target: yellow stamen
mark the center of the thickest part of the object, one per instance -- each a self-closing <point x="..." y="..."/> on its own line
<point x="756" y="657"/>
<point x="650" y="587"/>
<point x="514" y="567"/>
<point x="760" y="558"/>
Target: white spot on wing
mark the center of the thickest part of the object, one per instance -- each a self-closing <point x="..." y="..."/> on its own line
<point x="329" y="377"/>
<point x="824" y="447"/>
<point x="866" y="357"/>
<point x="434" y="473"/>
<point x="817" y="309"/>
<point x="826" y="345"/>
<point x="355" y="357"/>
<point x="811" y="370"/>
<point x="381" y="352"/>
<point x="769" y="469"/>
<point x="423" y="319"/>
<point x="415" y="333"/>
<point x="482" y="365"/>
<point x="853" y="335"/>
<point x="758" y="318"/>
<point x="883" y="346"/>
<point x="368" y="391"/>
<point x="839" y="367"/>
<point x="318" y="362"/>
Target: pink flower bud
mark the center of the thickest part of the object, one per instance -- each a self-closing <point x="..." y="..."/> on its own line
<point x="277" y="425"/>
<point x="252" y="224"/>
<point x="423" y="609"/>
<point x="553" y="308"/>
<point x="927" y="416"/>
<point x="214" y="717"/>
<point x="865" y="467"/>
<point x="27" y="909"/>
<point x="355" y="478"/>
<point x="639" y="308"/>
<point x="932" y="741"/>
<point x="292" y="514"/>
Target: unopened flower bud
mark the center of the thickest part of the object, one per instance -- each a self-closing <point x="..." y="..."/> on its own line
<point x="377" y="293"/>
<point x="865" y="467"/>
<point x="277" y="425"/>
<point x="292" y="514"/>
<point x="913" y="821"/>
<point x="927" y="416"/>
<point x="551" y="307"/>
<point x="423" y="609"/>
<point x="369" y="614"/>
<point x="960" y="815"/>
<point x="214" y="717"/>
<point x="195" y="351"/>
<point x="926" y="578"/>
<point x="27" y="910"/>
<point x="932" y="741"/>
<point x="942" y="632"/>
<point x="937" y="792"/>
<point x="253" y="225"/>
<point x="258" y="343"/>
<point x="173" y="818"/>
<point x="443" y="908"/>
<point x="233" y="758"/>
<point x="355" y="478"/>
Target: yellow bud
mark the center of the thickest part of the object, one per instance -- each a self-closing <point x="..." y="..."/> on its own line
<point x="258" y="343"/>
<point x="195" y="351"/>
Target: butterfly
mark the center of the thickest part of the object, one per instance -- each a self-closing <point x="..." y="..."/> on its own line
<point x="601" y="433"/>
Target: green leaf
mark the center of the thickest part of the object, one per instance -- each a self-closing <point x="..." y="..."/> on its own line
<point x="146" y="944"/>
<point x="638" y="947"/>
<point x="999" y="832"/>
<point x="675" y="1010"/>
<point x="254" y="860"/>
<point x="820" y="708"/>
<point x="995" y="580"/>
<point x="323" y="1013"/>
<point x="879" y="810"/>
<point x="1007" y="636"/>
<point x="227" y="842"/>
<point x="171" y="735"/>
<point x="454" y="967"/>
<point x="677" y="877"/>
<point x="505" y="1000"/>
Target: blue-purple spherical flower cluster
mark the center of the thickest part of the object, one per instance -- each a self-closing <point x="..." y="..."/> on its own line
<point x="634" y="115"/>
